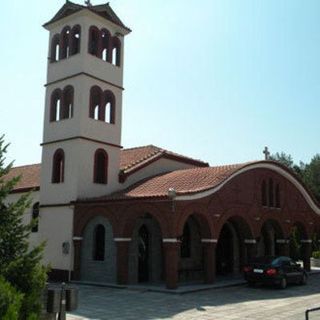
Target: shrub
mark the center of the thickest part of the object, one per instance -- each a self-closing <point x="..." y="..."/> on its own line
<point x="10" y="301"/>
<point x="316" y="254"/>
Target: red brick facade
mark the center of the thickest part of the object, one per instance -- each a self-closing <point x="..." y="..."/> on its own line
<point x="239" y="200"/>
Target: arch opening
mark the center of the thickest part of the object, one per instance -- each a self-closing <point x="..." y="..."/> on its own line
<point x="98" y="252"/>
<point x="231" y="251"/>
<point x="146" y="252"/>
<point x="298" y="233"/>
<point x="191" y="262"/>
<point x="267" y="244"/>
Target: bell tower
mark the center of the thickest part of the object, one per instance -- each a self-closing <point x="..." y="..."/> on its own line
<point x="83" y="105"/>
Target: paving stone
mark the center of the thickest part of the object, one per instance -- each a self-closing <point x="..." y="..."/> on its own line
<point x="236" y="303"/>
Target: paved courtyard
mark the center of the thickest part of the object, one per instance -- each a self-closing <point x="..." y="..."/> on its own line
<point x="239" y="302"/>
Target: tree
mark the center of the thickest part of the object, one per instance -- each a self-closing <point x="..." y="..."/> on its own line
<point x="10" y="301"/>
<point x="287" y="160"/>
<point x="309" y="173"/>
<point x="311" y="176"/>
<point x="20" y="265"/>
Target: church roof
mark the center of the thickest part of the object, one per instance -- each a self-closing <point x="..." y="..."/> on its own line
<point x="201" y="181"/>
<point x="134" y="159"/>
<point x="103" y="10"/>
<point x="131" y="160"/>
<point x="30" y="177"/>
<point x="185" y="181"/>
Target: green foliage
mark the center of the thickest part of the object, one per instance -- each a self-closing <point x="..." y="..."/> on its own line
<point x="10" y="301"/>
<point x="311" y="176"/>
<point x="19" y="264"/>
<point x="309" y="173"/>
<point x="316" y="254"/>
<point x="283" y="158"/>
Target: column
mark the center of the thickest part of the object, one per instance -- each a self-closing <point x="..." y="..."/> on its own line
<point x="306" y="248"/>
<point x="171" y="248"/>
<point x="251" y="247"/>
<point x="122" y="259"/>
<point x="77" y="241"/>
<point x="209" y="255"/>
<point x="284" y="247"/>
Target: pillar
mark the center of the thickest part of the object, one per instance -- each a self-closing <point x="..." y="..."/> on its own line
<point x="171" y="248"/>
<point x="306" y="249"/>
<point x="209" y="257"/>
<point x="122" y="259"/>
<point x="77" y="241"/>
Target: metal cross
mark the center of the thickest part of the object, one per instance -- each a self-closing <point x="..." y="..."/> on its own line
<point x="266" y="153"/>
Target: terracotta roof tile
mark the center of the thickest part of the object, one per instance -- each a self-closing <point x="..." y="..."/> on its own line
<point x="30" y="177"/>
<point x="185" y="181"/>
<point x="134" y="158"/>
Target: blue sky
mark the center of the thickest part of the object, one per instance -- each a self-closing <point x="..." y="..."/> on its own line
<point x="213" y="79"/>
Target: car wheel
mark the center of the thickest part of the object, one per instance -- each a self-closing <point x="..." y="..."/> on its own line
<point x="283" y="283"/>
<point x="303" y="280"/>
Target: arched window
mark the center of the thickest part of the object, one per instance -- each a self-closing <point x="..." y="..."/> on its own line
<point x="55" y="107"/>
<point x="94" y="41"/>
<point x="65" y="43"/>
<point x="116" y="51"/>
<point x="55" y="48"/>
<point x="75" y="40"/>
<point x="96" y="111"/>
<point x="58" y="167"/>
<point x="186" y="242"/>
<point x="67" y="103"/>
<point x="264" y="194"/>
<point x="278" y="203"/>
<point x="35" y="216"/>
<point x="99" y="243"/>
<point x="271" y="193"/>
<point x="105" y="45"/>
<point x="100" y="174"/>
<point x="109" y="107"/>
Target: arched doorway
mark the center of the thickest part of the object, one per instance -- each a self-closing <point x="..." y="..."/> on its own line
<point x="145" y="252"/>
<point x="297" y="234"/>
<point x="191" y="267"/>
<point x="228" y="250"/>
<point x="267" y="244"/>
<point x="98" y="252"/>
<point x="231" y="252"/>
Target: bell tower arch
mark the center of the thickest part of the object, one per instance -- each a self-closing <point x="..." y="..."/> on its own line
<point x="83" y="105"/>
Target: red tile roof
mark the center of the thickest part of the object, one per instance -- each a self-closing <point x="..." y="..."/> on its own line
<point x="185" y="181"/>
<point x="136" y="158"/>
<point x="103" y="10"/>
<point x="131" y="160"/>
<point x="30" y="177"/>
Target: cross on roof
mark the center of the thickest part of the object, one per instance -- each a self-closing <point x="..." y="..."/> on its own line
<point x="266" y="153"/>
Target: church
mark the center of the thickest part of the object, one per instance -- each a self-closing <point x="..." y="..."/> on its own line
<point x="145" y="214"/>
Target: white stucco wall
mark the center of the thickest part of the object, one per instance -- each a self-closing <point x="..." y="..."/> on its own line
<point x="81" y="124"/>
<point x="160" y="166"/>
<point x="55" y="227"/>
<point x="85" y="62"/>
<point x="78" y="172"/>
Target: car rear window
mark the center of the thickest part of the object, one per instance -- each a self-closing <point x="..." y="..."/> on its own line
<point x="264" y="260"/>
